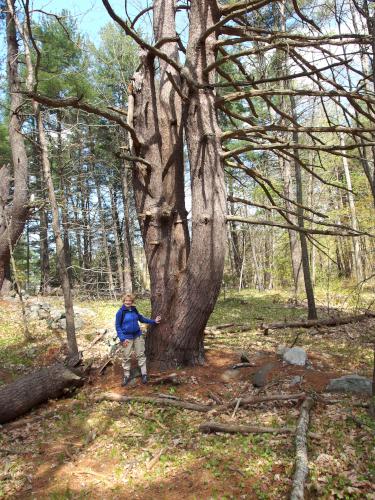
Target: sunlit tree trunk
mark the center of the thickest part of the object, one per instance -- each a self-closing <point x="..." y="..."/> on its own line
<point x="185" y="278"/>
<point x="16" y="213"/>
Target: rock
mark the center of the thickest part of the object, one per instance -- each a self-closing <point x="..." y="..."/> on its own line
<point x="61" y="323"/>
<point x="295" y="356"/>
<point x="297" y="379"/>
<point x="260" y="377"/>
<point x="280" y="350"/>
<point x="44" y="305"/>
<point x="350" y="383"/>
<point x="56" y="315"/>
<point x="43" y="314"/>
<point x="84" y="311"/>
<point x="34" y="308"/>
<point x="79" y="323"/>
<point x="33" y="315"/>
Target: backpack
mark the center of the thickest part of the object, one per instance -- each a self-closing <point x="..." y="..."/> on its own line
<point x="133" y="308"/>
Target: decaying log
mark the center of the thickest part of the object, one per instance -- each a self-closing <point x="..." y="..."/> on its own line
<point x="259" y="399"/>
<point x="218" y="330"/>
<point x="208" y="427"/>
<point x="187" y="405"/>
<point x="220" y="327"/>
<point x="309" y="323"/>
<point x="29" y="391"/>
<point x="301" y="465"/>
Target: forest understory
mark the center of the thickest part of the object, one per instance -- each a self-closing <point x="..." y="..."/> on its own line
<point x="81" y="446"/>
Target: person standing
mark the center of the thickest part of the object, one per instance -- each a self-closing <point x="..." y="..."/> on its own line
<point x="131" y="337"/>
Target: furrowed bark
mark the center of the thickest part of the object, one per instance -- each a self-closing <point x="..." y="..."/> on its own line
<point x="185" y="280"/>
<point x="18" y="213"/>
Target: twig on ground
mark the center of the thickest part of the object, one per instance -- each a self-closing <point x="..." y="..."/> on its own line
<point x="215" y="397"/>
<point x="155" y="459"/>
<point x="104" y="366"/>
<point x="260" y="399"/>
<point x="208" y="427"/>
<point x="236" y="408"/>
<point x="242" y="365"/>
<point x="187" y="405"/>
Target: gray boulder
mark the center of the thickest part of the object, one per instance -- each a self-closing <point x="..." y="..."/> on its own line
<point x="280" y="350"/>
<point x="350" y="383"/>
<point x="55" y="314"/>
<point x="78" y="323"/>
<point x="295" y="356"/>
<point x="33" y="315"/>
<point x="43" y="314"/>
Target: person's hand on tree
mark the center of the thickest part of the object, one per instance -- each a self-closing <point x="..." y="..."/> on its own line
<point x="157" y="319"/>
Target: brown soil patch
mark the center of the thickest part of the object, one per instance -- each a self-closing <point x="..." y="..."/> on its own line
<point x="199" y="380"/>
<point x="65" y="463"/>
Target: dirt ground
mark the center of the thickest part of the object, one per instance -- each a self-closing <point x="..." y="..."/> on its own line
<point x="78" y="447"/>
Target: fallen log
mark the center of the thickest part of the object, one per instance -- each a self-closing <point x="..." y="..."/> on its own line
<point x="220" y="327"/>
<point x="217" y="331"/>
<point x="208" y="427"/>
<point x="310" y="323"/>
<point x="301" y="464"/>
<point x="187" y="405"/>
<point x="25" y="393"/>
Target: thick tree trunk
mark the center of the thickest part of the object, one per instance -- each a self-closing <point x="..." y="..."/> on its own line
<point x="29" y="391"/>
<point x="17" y="215"/>
<point x="184" y="283"/>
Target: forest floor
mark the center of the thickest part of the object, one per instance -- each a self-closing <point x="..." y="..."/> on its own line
<point x="77" y="447"/>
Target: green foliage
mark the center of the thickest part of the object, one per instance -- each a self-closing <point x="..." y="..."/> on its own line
<point x="4" y="145"/>
<point x="63" y="64"/>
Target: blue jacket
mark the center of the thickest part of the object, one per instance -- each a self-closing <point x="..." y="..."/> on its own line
<point x="127" y="326"/>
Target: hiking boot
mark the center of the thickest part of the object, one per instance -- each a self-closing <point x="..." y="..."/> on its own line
<point x="125" y="381"/>
<point x="144" y="379"/>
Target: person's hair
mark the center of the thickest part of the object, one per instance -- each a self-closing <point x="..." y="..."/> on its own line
<point x="128" y="296"/>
